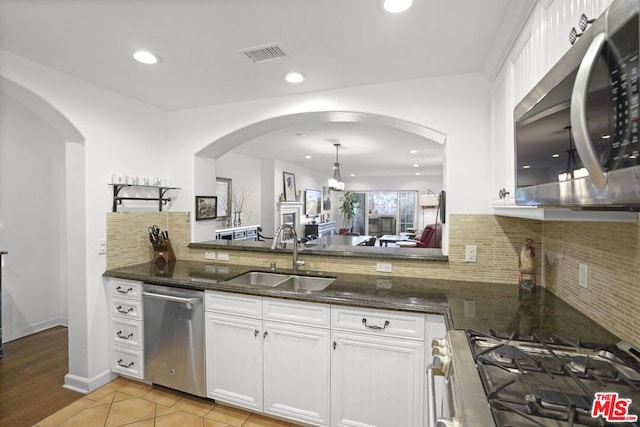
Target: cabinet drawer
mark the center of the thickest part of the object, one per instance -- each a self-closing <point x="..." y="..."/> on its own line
<point x="228" y="303"/>
<point x="128" y="362"/>
<point x="300" y="312"/>
<point x="126" y="308"/>
<point x="378" y="322"/>
<point x="127" y="332"/>
<point x="125" y="288"/>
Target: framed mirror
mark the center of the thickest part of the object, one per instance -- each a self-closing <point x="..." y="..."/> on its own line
<point x="223" y="192"/>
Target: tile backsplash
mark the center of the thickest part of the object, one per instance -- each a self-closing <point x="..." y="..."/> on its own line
<point x="610" y="250"/>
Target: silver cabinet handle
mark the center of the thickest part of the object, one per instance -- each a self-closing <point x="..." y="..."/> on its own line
<point x="119" y="334"/>
<point x="120" y="310"/>
<point x="172" y="298"/>
<point x="119" y="289"/>
<point x="584" y="145"/>
<point x="364" y="322"/>
<point x="119" y="362"/>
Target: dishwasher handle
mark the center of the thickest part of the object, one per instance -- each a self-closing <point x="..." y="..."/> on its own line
<point x="171" y="298"/>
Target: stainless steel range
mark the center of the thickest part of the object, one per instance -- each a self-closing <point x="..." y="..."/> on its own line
<point x="507" y="380"/>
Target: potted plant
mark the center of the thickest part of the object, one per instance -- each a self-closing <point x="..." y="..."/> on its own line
<point x="348" y="209"/>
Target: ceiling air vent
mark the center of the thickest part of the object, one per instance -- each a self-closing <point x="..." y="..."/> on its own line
<point x="264" y="53"/>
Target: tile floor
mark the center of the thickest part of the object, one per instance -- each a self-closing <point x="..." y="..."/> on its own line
<point x="123" y="402"/>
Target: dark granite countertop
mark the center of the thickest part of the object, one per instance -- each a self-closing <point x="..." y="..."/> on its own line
<point x="339" y="246"/>
<point x="467" y="305"/>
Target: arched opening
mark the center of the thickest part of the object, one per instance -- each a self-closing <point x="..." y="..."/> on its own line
<point x="206" y="168"/>
<point x="42" y="216"/>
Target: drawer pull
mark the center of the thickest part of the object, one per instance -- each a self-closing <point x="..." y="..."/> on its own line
<point x="364" y="322"/>
<point x="120" y="310"/>
<point x="119" y="362"/>
<point x="119" y="334"/>
<point x="119" y="289"/>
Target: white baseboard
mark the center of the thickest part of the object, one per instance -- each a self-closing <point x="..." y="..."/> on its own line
<point x="10" y="335"/>
<point x="87" y="385"/>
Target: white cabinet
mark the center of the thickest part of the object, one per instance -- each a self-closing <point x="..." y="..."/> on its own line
<point x="559" y="17"/>
<point x="234" y="360"/>
<point x="296" y="372"/>
<point x="269" y="355"/>
<point x="541" y="43"/>
<point x="127" y="335"/>
<point x="377" y="368"/>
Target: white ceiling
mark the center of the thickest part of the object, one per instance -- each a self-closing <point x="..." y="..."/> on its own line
<point x="335" y="43"/>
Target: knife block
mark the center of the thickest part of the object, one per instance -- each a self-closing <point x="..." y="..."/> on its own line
<point x="163" y="253"/>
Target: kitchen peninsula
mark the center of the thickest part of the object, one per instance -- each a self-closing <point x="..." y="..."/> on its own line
<point x="465" y="304"/>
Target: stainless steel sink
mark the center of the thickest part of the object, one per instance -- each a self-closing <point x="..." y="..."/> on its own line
<point x="283" y="281"/>
<point x="259" y="278"/>
<point x="306" y="283"/>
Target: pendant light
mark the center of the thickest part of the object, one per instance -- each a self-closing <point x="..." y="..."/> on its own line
<point x="336" y="183"/>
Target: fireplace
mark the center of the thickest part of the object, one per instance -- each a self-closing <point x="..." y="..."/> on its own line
<point x="290" y="213"/>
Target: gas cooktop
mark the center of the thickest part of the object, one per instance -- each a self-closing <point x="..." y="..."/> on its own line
<point x="533" y="382"/>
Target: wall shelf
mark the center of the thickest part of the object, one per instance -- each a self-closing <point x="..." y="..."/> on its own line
<point x="161" y="199"/>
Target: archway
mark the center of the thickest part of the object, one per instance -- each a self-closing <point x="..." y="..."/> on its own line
<point x="205" y="167"/>
<point x="72" y="218"/>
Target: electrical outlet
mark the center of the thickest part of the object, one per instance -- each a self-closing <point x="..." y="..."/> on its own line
<point x="209" y="255"/>
<point x="384" y="267"/>
<point x="583" y="275"/>
<point x="223" y="256"/>
<point x="102" y="246"/>
<point x="471" y="253"/>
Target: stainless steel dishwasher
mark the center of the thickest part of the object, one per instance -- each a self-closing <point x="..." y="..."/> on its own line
<point x="174" y="338"/>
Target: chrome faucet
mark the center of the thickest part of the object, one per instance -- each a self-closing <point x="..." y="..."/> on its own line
<point x="296" y="262"/>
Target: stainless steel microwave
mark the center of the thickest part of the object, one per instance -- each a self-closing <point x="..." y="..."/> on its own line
<point x="576" y="133"/>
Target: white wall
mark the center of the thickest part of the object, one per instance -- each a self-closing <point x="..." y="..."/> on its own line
<point x="32" y="228"/>
<point x="245" y="173"/>
<point x="121" y="135"/>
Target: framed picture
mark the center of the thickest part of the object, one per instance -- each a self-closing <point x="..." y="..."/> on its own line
<point x="206" y="207"/>
<point x="312" y="202"/>
<point x="326" y="199"/>
<point x="223" y="193"/>
<point x="289" y="181"/>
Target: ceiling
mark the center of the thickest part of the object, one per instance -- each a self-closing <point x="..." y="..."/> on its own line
<point x="334" y="43"/>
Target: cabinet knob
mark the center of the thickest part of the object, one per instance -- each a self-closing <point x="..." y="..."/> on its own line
<point x="255" y="332"/>
<point x="502" y="193"/>
<point x="334" y="345"/>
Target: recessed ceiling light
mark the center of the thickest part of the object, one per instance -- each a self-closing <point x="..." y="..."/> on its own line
<point x="556" y="155"/>
<point x="416" y="165"/>
<point x="413" y="151"/>
<point x="417" y="173"/>
<point x="396" y="6"/>
<point x="353" y="174"/>
<point x="145" y="57"/>
<point x="307" y="156"/>
<point x="294" y="77"/>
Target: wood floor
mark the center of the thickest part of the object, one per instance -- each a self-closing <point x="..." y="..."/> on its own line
<point x="31" y="376"/>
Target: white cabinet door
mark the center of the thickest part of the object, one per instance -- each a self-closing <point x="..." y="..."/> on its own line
<point x="376" y="381"/>
<point x="296" y="372"/>
<point x="234" y="360"/>
<point x="562" y="15"/>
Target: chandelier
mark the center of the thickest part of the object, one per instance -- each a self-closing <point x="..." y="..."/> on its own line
<point x="336" y="183"/>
